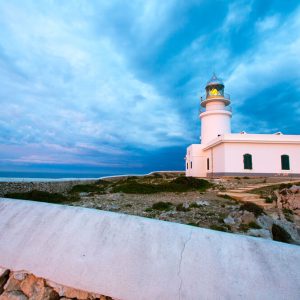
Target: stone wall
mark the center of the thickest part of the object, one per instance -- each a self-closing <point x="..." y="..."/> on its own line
<point x="25" y="286"/>
<point x="47" y="186"/>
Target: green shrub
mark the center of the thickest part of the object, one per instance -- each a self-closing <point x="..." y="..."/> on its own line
<point x="218" y="227"/>
<point x="251" y="225"/>
<point x="86" y="188"/>
<point x="41" y="196"/>
<point x="252" y="207"/>
<point x="227" y="197"/>
<point x="193" y="224"/>
<point x="280" y="234"/>
<point x="162" y="205"/>
<point x="180" y="184"/>
<point x="180" y="207"/>
<point x="194" y="205"/>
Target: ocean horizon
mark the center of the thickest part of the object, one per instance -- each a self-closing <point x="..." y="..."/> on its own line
<point x="62" y="176"/>
<point x="51" y="176"/>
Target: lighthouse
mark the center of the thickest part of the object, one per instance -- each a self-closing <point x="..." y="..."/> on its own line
<point x="215" y="112"/>
<point x="222" y="153"/>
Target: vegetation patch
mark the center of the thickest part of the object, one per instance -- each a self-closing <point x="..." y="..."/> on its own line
<point x="227" y="197"/>
<point x="180" y="184"/>
<point x="180" y="207"/>
<point x="162" y="206"/>
<point x="87" y="188"/>
<point x="280" y="234"/>
<point x="251" y="225"/>
<point x="193" y="224"/>
<point x="219" y="227"/>
<point x="41" y="196"/>
<point x="252" y="207"/>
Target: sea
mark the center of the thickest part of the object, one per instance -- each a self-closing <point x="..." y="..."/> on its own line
<point x="51" y="176"/>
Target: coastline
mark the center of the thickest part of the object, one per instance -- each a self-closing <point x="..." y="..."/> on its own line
<point x="51" y="185"/>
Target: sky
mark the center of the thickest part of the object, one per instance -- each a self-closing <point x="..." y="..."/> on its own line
<point x="113" y="87"/>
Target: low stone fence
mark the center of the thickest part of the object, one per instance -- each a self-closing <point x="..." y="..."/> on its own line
<point x="45" y="186"/>
<point x="128" y="257"/>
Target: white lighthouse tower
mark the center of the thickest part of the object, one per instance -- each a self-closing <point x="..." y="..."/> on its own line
<point x="215" y="114"/>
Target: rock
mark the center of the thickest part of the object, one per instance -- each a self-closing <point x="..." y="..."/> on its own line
<point x="13" y="295"/>
<point x="67" y="292"/>
<point x="295" y="189"/>
<point x="263" y="233"/>
<point x="21" y="275"/>
<point x="290" y="228"/>
<point x="185" y="205"/>
<point x="33" y="287"/>
<point x="73" y="293"/>
<point x="229" y="220"/>
<point x="202" y="203"/>
<point x="247" y="217"/>
<point x="83" y="194"/>
<point x="12" y="284"/>
<point x="4" y="275"/>
<point x="265" y="222"/>
<point x="113" y="207"/>
<point x="49" y="294"/>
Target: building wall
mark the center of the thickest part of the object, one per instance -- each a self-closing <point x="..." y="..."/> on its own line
<point x="266" y="158"/>
<point x="195" y="161"/>
<point x="216" y="156"/>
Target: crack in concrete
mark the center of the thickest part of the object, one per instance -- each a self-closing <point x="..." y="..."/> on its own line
<point x="180" y="262"/>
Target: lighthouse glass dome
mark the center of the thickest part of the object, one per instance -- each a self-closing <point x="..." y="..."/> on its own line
<point x="214" y="87"/>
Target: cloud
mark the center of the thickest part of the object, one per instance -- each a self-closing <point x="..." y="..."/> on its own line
<point x="118" y="83"/>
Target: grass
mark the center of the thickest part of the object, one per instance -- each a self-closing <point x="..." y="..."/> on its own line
<point x="252" y="207"/>
<point x="180" y="184"/>
<point x="41" y="196"/>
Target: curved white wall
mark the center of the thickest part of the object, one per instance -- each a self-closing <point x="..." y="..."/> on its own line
<point x="128" y="257"/>
<point x="214" y="122"/>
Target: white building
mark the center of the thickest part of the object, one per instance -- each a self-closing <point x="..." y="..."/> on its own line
<point x="222" y="153"/>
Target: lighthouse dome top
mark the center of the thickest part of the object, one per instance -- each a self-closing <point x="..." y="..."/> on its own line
<point x="214" y="81"/>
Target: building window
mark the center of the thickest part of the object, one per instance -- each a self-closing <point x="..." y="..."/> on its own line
<point x="191" y="165"/>
<point x="187" y="165"/>
<point x="248" y="161"/>
<point x="207" y="164"/>
<point x="285" y="162"/>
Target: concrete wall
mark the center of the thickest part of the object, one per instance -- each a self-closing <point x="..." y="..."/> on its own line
<point x="129" y="257"/>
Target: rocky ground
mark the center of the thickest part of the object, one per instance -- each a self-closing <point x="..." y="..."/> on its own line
<point x="175" y="198"/>
<point x="23" y="286"/>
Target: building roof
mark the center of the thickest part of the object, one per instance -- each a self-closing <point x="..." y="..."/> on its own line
<point x="253" y="138"/>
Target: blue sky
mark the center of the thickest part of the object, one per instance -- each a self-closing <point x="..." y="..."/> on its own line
<point x="114" y="86"/>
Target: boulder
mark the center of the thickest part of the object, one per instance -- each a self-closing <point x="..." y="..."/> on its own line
<point x="33" y="287"/>
<point x="229" y="220"/>
<point x="13" y="295"/>
<point x="67" y="292"/>
<point x="4" y="275"/>
<point x="202" y="203"/>
<point x="12" y="284"/>
<point x="247" y="217"/>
